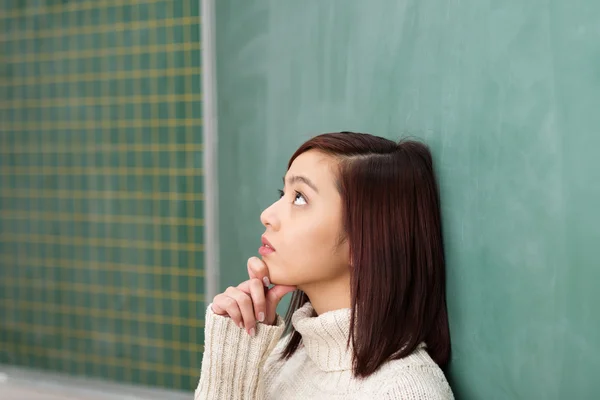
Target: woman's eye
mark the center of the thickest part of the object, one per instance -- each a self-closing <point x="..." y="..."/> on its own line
<point x="299" y="200"/>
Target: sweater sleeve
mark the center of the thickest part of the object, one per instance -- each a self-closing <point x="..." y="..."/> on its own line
<point x="232" y="364"/>
<point x="419" y="383"/>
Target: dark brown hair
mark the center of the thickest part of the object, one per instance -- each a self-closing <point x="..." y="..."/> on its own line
<point x="392" y="221"/>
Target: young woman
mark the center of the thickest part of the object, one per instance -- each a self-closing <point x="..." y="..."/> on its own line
<point x="356" y="235"/>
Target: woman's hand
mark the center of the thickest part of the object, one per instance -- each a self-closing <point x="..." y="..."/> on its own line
<point x="251" y="300"/>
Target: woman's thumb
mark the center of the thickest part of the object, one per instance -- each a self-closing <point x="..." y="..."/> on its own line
<point x="274" y="296"/>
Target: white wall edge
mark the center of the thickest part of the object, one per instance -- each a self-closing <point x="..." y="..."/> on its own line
<point x="29" y="383"/>
<point x="209" y="115"/>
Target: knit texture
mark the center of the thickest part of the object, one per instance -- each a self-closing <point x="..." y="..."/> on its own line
<point x="237" y="366"/>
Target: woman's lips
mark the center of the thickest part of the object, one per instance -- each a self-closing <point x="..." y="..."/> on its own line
<point x="266" y="247"/>
<point x="265" y="250"/>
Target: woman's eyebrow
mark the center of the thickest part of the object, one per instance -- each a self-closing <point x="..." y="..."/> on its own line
<point x="299" y="178"/>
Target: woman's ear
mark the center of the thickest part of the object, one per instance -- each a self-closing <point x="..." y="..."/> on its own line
<point x="346" y="248"/>
<point x="343" y="247"/>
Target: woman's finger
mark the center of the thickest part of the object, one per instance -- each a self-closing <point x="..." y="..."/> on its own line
<point x="244" y="302"/>
<point x="273" y="297"/>
<point x="257" y="292"/>
<point x="257" y="269"/>
<point x="225" y="305"/>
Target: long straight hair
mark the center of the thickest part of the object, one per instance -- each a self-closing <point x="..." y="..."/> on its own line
<point x="392" y="222"/>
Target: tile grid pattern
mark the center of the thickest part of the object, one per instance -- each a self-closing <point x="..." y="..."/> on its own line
<point x="101" y="191"/>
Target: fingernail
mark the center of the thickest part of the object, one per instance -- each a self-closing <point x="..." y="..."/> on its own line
<point x="266" y="281"/>
<point x="252" y="332"/>
<point x="261" y="316"/>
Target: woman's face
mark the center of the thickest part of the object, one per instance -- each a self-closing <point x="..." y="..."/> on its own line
<point x="304" y="227"/>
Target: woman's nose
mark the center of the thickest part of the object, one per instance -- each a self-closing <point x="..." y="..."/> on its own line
<point x="269" y="217"/>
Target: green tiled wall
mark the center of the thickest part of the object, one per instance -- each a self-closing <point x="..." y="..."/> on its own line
<point x="101" y="229"/>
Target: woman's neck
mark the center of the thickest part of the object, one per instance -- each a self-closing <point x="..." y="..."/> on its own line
<point x="329" y="296"/>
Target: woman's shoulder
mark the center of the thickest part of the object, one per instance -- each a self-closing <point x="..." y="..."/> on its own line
<point x="415" y="376"/>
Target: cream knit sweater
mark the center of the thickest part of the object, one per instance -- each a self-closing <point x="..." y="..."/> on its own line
<point x="237" y="366"/>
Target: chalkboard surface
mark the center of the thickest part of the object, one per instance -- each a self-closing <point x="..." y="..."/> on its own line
<point x="506" y="93"/>
<point x="101" y="221"/>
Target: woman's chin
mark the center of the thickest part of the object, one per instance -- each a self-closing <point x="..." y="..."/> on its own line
<point x="277" y="275"/>
<point x="279" y="279"/>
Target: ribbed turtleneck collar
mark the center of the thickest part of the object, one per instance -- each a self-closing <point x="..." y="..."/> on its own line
<point x="325" y="337"/>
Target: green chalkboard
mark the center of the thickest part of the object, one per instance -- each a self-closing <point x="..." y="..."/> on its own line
<point x="101" y="192"/>
<point x="506" y="93"/>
